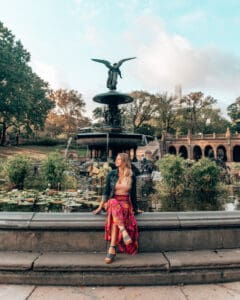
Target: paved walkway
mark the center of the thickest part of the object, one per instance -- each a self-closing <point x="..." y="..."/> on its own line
<point x="225" y="291"/>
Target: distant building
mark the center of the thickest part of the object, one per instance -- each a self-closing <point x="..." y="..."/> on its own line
<point x="178" y="92"/>
<point x="225" y="146"/>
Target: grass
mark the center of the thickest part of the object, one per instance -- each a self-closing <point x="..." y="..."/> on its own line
<point x="34" y="152"/>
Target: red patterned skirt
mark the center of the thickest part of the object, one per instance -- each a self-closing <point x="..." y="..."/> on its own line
<point x="120" y="212"/>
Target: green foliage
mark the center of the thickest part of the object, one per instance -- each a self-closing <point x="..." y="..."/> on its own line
<point x="204" y="183"/>
<point x="17" y="169"/>
<point x="47" y="141"/>
<point x="70" y="182"/>
<point x="204" y="175"/>
<point x="54" y="168"/>
<point x="233" y="111"/>
<point x="190" y="186"/>
<point x="142" y="109"/>
<point x="172" y="187"/>
<point x="145" y="129"/>
<point x="21" y="90"/>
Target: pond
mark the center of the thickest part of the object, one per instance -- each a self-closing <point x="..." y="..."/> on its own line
<point x="87" y="195"/>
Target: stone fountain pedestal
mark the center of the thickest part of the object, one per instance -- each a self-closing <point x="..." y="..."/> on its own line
<point x="112" y="139"/>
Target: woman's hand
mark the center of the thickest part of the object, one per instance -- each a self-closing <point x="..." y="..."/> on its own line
<point x="97" y="211"/>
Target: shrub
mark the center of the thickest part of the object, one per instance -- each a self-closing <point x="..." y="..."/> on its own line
<point x="205" y="184"/>
<point x="172" y="187"/>
<point x="188" y="185"/>
<point x="54" y="168"/>
<point x="17" y="168"/>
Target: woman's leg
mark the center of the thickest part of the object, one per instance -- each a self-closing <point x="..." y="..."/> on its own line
<point x="113" y="238"/>
<point x="126" y="238"/>
<point x="118" y="220"/>
<point x="112" y="248"/>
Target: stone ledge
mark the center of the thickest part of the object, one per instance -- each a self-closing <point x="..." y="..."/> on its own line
<point x="215" y="219"/>
<point x="146" y="221"/>
<point x="74" y="232"/>
<point x="15" y="220"/>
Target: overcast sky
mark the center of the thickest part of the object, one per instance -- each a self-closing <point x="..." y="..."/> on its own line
<point x="189" y="42"/>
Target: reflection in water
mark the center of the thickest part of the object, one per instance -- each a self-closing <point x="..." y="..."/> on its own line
<point x="233" y="202"/>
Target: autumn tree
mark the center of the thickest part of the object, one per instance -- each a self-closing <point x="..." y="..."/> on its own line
<point x="69" y="111"/>
<point x="54" y="124"/>
<point x="24" y="98"/>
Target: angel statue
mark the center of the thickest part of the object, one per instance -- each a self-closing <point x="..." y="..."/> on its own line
<point x="113" y="72"/>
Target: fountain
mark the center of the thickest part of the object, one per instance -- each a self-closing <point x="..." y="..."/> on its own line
<point x="112" y="138"/>
<point x="67" y="148"/>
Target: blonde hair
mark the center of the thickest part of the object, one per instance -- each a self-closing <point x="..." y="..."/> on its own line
<point x="127" y="169"/>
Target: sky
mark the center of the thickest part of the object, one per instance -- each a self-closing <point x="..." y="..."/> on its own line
<point x="190" y="43"/>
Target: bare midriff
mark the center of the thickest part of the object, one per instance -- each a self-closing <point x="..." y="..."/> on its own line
<point x="122" y="189"/>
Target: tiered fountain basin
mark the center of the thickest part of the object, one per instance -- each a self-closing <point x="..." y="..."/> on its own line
<point x="112" y="139"/>
<point x="113" y="98"/>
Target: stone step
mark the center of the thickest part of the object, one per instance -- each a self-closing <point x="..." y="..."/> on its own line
<point x="67" y="268"/>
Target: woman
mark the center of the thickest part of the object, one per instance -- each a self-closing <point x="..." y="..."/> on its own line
<point x="119" y="199"/>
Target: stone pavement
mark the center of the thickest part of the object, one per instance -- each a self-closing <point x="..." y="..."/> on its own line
<point x="224" y="291"/>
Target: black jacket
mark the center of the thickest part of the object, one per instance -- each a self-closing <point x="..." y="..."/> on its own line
<point x="111" y="181"/>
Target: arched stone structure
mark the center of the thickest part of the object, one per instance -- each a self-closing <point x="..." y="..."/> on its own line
<point x="172" y="150"/>
<point x="197" y="152"/>
<point x="222" y="153"/>
<point x="208" y="151"/>
<point x="236" y="153"/>
<point x="183" y="151"/>
<point x="207" y="143"/>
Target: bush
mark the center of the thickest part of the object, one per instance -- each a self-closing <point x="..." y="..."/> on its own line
<point x="172" y="188"/>
<point x="190" y="185"/>
<point x="204" y="183"/>
<point x="17" y="168"/>
<point x="43" y="141"/>
<point x="53" y="169"/>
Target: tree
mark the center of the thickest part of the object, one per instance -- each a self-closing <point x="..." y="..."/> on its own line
<point x="233" y="111"/>
<point x="165" y="113"/>
<point x="99" y="115"/>
<point x="193" y="105"/>
<point x="21" y="90"/>
<point x="211" y="120"/>
<point x="142" y="109"/>
<point x="54" y="124"/>
<point x="70" y="106"/>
